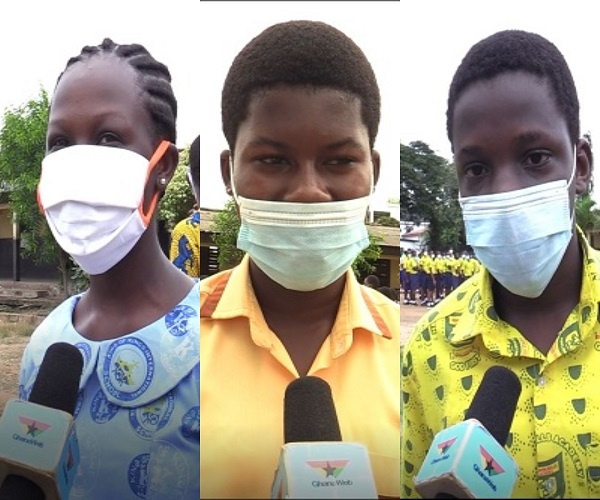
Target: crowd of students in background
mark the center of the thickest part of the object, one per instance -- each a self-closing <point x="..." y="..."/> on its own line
<point x="426" y="277"/>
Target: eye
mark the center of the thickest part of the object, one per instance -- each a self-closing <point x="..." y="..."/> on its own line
<point x="340" y="161"/>
<point x="474" y="170"/>
<point x="273" y="160"/>
<point x="56" y="143"/>
<point x="537" y="158"/>
<point x="109" y="139"/>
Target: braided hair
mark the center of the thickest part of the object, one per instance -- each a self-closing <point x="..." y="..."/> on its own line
<point x="153" y="78"/>
<point x="299" y="53"/>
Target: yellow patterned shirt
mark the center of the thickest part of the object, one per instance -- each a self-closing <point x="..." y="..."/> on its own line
<point x="555" y="435"/>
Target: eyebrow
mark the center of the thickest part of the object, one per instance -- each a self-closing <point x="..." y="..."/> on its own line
<point x="348" y="141"/>
<point x="530" y="136"/>
<point x="266" y="141"/>
<point x="522" y="139"/>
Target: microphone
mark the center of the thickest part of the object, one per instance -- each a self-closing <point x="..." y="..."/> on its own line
<point x="468" y="460"/>
<point x="38" y="451"/>
<point x="314" y="462"/>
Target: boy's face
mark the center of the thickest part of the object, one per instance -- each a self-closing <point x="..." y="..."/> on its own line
<point x="302" y="145"/>
<point x="508" y="134"/>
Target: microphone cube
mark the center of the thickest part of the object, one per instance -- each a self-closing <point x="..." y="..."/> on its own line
<point x="39" y="443"/>
<point x="324" y="470"/>
<point x="466" y="461"/>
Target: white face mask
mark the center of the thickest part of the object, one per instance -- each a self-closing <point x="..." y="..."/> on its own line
<point x="302" y="246"/>
<point x="92" y="197"/>
<point x="521" y="236"/>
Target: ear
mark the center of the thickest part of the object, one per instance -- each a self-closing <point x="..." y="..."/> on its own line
<point x="160" y="176"/>
<point x="583" y="167"/>
<point x="166" y="167"/>
<point x="226" y="170"/>
<point x="376" y="160"/>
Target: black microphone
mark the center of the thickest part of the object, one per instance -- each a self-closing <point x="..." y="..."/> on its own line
<point x="314" y="462"/>
<point x="468" y="460"/>
<point x="39" y="454"/>
<point x="309" y="396"/>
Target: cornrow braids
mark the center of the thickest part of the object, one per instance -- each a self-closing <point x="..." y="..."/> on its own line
<point x="299" y="53"/>
<point x="153" y="77"/>
<point x="515" y="50"/>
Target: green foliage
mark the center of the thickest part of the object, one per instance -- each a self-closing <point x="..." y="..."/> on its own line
<point x="587" y="217"/>
<point x="365" y="261"/>
<point x="388" y="221"/>
<point x="226" y="225"/>
<point x="79" y="279"/>
<point x="429" y="192"/>
<point x="178" y="199"/>
<point x="22" y="149"/>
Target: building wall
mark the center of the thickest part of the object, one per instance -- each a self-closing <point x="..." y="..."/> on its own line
<point x="5" y="222"/>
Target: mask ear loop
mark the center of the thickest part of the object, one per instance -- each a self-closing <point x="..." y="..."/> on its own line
<point x="233" y="191"/>
<point x="154" y="159"/>
<point x="574" y="166"/>
<point x="572" y="217"/>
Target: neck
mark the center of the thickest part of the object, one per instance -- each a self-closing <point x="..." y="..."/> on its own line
<point x="275" y="299"/>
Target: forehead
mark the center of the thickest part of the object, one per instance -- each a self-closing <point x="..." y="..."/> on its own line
<point x="513" y="101"/>
<point x="285" y="108"/>
<point x="100" y="81"/>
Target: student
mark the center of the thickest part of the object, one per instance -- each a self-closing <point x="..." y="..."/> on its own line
<point x="300" y="109"/>
<point x="111" y="136"/>
<point x="185" y="239"/>
<point x="372" y="281"/>
<point x="513" y="122"/>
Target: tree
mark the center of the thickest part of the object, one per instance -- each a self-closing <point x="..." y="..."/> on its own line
<point x="587" y="217"/>
<point x="226" y="225"/>
<point x="22" y="149"/>
<point x="365" y="261"/>
<point x="429" y="192"/>
<point x="178" y="199"/>
<point x="386" y="220"/>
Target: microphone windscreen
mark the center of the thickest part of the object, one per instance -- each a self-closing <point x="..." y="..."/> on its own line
<point x="57" y="382"/>
<point x="495" y="402"/>
<point x="19" y="487"/>
<point x="309" y="413"/>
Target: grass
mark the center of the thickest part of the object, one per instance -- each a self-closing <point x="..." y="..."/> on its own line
<point x="15" y="329"/>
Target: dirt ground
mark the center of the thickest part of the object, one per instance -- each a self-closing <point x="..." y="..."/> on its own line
<point x="11" y="349"/>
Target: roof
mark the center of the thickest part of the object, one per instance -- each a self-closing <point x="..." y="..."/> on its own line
<point x="390" y="235"/>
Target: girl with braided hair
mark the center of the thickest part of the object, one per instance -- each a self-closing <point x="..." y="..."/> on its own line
<point x="110" y="154"/>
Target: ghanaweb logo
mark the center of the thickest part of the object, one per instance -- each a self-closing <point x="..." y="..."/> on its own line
<point x="328" y="468"/>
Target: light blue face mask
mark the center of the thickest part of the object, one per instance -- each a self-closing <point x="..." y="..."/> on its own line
<point x="521" y="236"/>
<point x="302" y="246"/>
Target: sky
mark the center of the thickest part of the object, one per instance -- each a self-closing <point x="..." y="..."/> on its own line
<point x="440" y="33"/>
<point x="38" y="37"/>
<point x="226" y="27"/>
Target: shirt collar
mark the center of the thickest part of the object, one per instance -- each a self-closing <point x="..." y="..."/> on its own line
<point x="357" y="310"/>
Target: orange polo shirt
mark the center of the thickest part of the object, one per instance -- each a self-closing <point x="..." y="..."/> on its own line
<point x="245" y="369"/>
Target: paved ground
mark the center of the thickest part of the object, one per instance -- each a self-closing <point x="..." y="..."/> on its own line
<point x="408" y="317"/>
